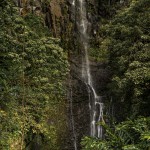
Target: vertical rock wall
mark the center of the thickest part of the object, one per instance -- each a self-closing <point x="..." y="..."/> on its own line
<point x="60" y="19"/>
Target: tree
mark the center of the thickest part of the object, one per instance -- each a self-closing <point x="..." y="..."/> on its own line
<point x="33" y="68"/>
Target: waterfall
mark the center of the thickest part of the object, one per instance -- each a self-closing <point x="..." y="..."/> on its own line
<point x="72" y="122"/>
<point x="95" y="103"/>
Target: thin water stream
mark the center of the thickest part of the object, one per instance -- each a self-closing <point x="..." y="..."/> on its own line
<point x="95" y="101"/>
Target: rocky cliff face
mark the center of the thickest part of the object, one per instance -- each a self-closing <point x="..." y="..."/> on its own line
<point x="71" y="38"/>
<point x="71" y="42"/>
<point x="61" y="20"/>
<point x="50" y="11"/>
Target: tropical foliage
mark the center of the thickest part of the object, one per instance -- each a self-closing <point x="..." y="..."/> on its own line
<point x="125" y="43"/>
<point x="128" y="135"/>
<point x="33" y="68"/>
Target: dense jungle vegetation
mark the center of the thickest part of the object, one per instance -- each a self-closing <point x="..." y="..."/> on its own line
<point x="33" y="68"/>
<point x="125" y="45"/>
<point x="34" y="71"/>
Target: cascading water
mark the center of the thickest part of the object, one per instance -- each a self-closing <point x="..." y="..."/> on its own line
<point x="72" y="119"/>
<point x="95" y="104"/>
<point x="71" y="104"/>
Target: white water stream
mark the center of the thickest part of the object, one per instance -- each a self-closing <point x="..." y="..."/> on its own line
<point x="95" y="103"/>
